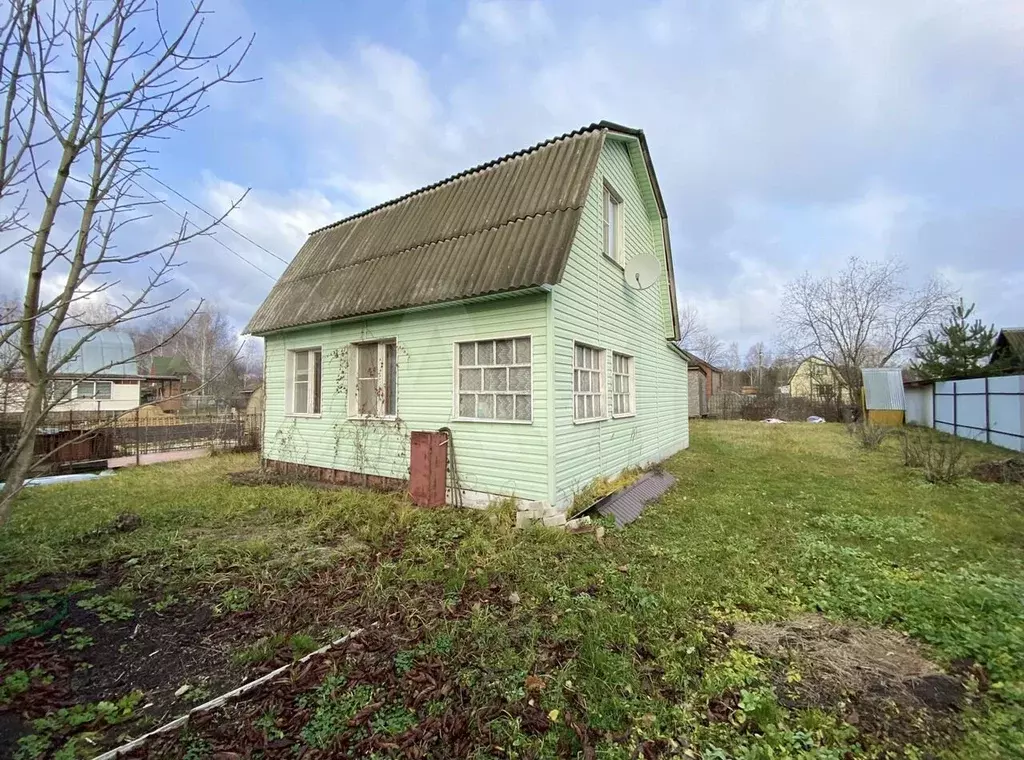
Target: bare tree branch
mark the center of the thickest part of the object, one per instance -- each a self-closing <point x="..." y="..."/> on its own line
<point x="87" y="88"/>
<point x="863" y="316"/>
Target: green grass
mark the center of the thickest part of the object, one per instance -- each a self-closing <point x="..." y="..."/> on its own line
<point x="766" y="522"/>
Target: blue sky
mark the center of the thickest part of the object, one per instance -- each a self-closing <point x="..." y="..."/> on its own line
<point x="787" y="135"/>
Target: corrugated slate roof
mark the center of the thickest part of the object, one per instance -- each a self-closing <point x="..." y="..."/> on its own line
<point x="108" y="352"/>
<point x="504" y="226"/>
<point x="1014" y="338"/>
<point x="883" y="388"/>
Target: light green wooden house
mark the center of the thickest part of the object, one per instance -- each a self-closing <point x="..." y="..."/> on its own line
<point x="494" y="304"/>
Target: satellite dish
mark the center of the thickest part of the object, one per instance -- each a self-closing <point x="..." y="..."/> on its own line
<point x="642" y="271"/>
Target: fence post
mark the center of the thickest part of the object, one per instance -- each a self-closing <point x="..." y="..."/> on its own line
<point x="988" y="431"/>
<point x="137" y="439"/>
<point x="954" y="407"/>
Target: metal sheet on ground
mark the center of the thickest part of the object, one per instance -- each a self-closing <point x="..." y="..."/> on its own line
<point x="628" y="504"/>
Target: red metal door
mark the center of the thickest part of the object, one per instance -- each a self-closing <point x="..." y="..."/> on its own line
<point x="428" y="467"/>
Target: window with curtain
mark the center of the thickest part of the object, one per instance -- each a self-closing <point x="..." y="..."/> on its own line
<point x="493" y="380"/>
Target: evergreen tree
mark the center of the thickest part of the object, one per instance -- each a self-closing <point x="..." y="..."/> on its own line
<point x="961" y="347"/>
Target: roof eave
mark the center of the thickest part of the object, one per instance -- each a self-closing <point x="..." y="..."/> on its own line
<point x="497" y="295"/>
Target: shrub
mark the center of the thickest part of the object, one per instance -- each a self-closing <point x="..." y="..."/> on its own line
<point x="939" y="454"/>
<point x="867" y="435"/>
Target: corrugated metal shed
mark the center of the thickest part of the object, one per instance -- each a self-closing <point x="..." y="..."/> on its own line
<point x="883" y="388"/>
<point x="108" y="352"/>
<point x="504" y="226"/>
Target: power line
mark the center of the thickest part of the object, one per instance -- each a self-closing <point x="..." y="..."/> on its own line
<point x="142" y="169"/>
<point x="210" y="214"/>
<point x="214" y="239"/>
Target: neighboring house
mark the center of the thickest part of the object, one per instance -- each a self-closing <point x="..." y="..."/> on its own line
<point x="704" y="381"/>
<point x="102" y="376"/>
<point x="815" y="378"/>
<point x="492" y="303"/>
<point x="168" y="381"/>
<point x="1009" y="350"/>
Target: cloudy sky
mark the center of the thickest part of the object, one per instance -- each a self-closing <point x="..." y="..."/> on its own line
<point x="787" y="135"/>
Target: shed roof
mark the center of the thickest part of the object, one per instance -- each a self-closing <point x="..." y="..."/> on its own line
<point x="695" y="361"/>
<point x="169" y="366"/>
<point x="883" y="388"/>
<point x="504" y="226"/>
<point x="108" y="352"/>
<point x="1012" y="338"/>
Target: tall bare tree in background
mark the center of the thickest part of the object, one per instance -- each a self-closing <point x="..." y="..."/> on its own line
<point x="87" y="89"/>
<point x="866" y="315"/>
<point x="208" y="343"/>
<point x="690" y="326"/>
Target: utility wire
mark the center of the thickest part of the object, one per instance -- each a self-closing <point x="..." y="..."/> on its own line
<point x="210" y="214"/>
<point x="142" y="169"/>
<point x="215" y="239"/>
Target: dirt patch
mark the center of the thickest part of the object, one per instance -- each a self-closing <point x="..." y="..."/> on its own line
<point x="81" y="641"/>
<point x="393" y="691"/>
<point x="877" y="680"/>
<point x="1000" y="471"/>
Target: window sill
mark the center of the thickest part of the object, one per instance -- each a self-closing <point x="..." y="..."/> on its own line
<point x="372" y="418"/>
<point x="493" y="422"/>
<point x="304" y="415"/>
<point x="613" y="261"/>
<point x="625" y="416"/>
<point x="589" y="421"/>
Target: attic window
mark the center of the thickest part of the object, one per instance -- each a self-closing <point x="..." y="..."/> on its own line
<point x="612" y="225"/>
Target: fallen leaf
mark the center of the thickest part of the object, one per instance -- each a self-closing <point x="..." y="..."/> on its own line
<point x="534" y="683"/>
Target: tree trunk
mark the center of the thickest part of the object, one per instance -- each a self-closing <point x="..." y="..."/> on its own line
<point x="21" y="465"/>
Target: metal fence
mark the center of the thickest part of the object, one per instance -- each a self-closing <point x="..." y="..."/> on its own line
<point x="989" y="409"/>
<point x="65" y="439"/>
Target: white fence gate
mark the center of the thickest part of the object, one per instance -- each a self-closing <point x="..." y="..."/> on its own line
<point x="989" y="409"/>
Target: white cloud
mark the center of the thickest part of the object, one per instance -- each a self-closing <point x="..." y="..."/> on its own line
<point x="782" y="131"/>
<point x="505" y="22"/>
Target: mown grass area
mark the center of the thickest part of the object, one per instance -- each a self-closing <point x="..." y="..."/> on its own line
<point x="631" y="636"/>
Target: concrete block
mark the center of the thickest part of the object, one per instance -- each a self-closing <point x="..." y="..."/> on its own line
<point x="580" y="523"/>
<point x="526" y="519"/>
<point x="555" y="521"/>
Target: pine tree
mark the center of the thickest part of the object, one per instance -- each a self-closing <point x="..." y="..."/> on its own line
<point x="959" y="348"/>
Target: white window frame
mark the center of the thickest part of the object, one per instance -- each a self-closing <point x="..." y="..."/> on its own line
<point x="386" y="380"/>
<point x="313" y="392"/>
<point x="612" y="222"/>
<point x="458" y="391"/>
<point x="94" y="386"/>
<point x="629" y="377"/>
<point x="599" y="372"/>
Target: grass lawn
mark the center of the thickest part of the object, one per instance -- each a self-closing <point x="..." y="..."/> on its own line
<point x="794" y="595"/>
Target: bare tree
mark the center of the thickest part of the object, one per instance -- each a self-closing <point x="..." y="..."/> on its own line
<point x="865" y="315"/>
<point x="87" y="89"/>
<point x="208" y="343"/>
<point x="690" y="326"/>
<point x="709" y="348"/>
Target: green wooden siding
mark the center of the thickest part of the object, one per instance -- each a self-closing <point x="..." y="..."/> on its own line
<point x="493" y="458"/>
<point x="593" y="305"/>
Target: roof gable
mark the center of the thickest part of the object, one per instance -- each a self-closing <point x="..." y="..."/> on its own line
<point x="500" y="227"/>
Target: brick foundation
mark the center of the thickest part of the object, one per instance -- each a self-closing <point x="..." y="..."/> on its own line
<point x="334" y="477"/>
